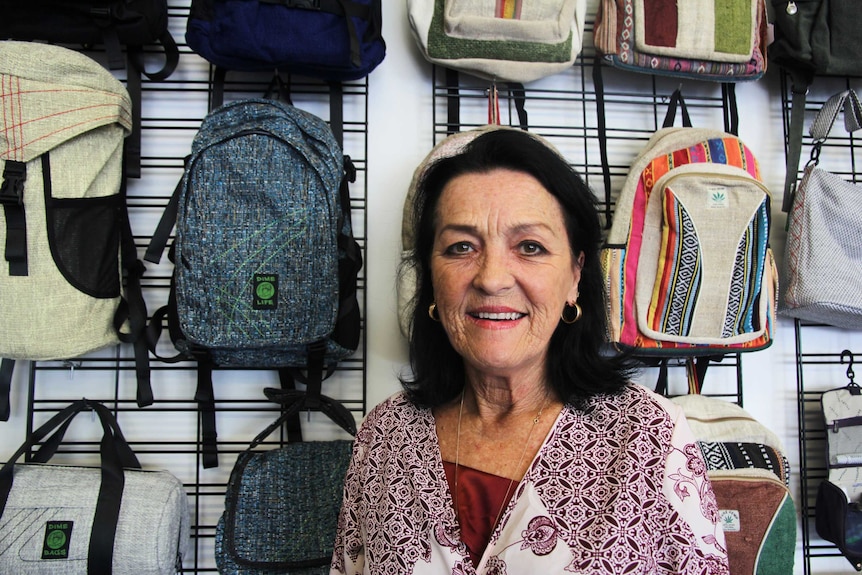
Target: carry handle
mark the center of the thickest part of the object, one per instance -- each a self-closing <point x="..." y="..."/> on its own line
<point x="127" y="457"/>
<point x="676" y="99"/>
<point x="107" y="511"/>
<point x="295" y="401"/>
<point x="825" y="119"/>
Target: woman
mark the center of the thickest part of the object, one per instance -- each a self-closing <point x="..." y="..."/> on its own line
<point x="517" y="446"/>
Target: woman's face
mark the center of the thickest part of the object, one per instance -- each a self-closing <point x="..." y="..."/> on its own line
<point x="502" y="269"/>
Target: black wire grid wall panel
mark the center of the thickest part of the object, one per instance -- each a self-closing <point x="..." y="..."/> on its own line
<point x="818" y="348"/>
<point x="166" y="435"/>
<point x="819" y="368"/>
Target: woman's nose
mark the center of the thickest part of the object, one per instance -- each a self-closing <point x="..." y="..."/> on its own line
<point x="493" y="274"/>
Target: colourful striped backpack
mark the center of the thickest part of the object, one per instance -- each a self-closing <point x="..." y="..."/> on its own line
<point x="687" y="262"/>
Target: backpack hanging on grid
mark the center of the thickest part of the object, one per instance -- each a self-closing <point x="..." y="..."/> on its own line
<point x="282" y="505"/>
<point x="687" y="261"/>
<point x="839" y="496"/>
<point x="265" y="262"/>
<point x="701" y="40"/>
<point x="505" y="42"/>
<point x="508" y="44"/>
<point x="334" y="40"/>
<point x="124" y="28"/>
<point x="750" y="476"/>
<point x="70" y="276"/>
<point x="812" y="39"/>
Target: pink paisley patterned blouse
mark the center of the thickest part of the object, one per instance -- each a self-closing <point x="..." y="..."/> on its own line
<point x="618" y="488"/>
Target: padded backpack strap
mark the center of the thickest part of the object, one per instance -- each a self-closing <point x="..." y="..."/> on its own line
<point x="453" y="102"/>
<point x="293" y="424"/>
<point x="133" y="307"/>
<point x="336" y="112"/>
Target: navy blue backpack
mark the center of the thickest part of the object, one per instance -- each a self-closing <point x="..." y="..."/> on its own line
<point x="333" y="40"/>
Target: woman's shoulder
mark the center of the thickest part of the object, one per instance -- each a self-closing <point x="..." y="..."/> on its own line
<point x="636" y="400"/>
<point x="396" y="411"/>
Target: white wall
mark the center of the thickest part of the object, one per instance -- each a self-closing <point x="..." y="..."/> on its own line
<point x="400" y="134"/>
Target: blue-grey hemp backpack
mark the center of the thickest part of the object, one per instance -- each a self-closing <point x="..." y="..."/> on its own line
<point x="265" y="261"/>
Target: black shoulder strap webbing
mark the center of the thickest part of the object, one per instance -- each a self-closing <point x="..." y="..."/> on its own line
<point x="132" y="311"/>
<point x="601" y="119"/>
<point x="7" y="367"/>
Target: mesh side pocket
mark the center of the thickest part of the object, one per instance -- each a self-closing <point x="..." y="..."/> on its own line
<point x="84" y="236"/>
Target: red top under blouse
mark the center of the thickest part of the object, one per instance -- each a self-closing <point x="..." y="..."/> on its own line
<point x="479" y="501"/>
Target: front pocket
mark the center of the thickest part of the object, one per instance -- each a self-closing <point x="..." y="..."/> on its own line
<point x="84" y="238"/>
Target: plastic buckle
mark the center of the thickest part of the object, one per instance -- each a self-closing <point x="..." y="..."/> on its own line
<point x="12" y="188"/>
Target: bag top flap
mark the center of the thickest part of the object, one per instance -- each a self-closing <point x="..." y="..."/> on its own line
<point x="713" y="419"/>
<point x="308" y="134"/>
<point x="52" y="94"/>
<point x="275" y="494"/>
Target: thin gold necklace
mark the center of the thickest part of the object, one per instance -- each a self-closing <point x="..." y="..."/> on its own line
<point x="517" y="468"/>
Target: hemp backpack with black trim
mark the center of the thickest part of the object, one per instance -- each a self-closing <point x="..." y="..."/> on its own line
<point x="687" y="262"/>
<point x="69" y="279"/>
<point x="125" y="29"/>
<point x="750" y="476"/>
<point x="265" y="261"/>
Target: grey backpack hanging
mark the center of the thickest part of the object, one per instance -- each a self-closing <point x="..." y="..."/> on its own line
<point x="70" y="277"/>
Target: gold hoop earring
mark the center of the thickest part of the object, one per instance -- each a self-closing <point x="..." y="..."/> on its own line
<point x="432" y="309"/>
<point x="578" y="313"/>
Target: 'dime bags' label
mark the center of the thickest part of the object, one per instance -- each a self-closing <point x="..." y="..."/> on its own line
<point x="58" y="534"/>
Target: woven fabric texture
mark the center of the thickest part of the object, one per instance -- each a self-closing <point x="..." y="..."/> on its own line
<point x="687" y="261"/>
<point x="701" y="39"/>
<point x="281" y="509"/>
<point x="153" y="525"/>
<point x="716" y="420"/>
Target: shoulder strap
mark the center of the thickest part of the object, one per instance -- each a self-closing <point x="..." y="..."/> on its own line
<point x="799" y="90"/>
<point x="7" y="367"/>
<point x="846" y="101"/>
<point x="133" y="308"/>
<point x="601" y="118"/>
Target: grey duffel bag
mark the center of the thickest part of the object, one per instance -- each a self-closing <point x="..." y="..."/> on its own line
<point x="116" y="519"/>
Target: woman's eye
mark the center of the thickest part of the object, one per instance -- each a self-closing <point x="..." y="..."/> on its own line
<point x="459" y="248"/>
<point x="531" y="248"/>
